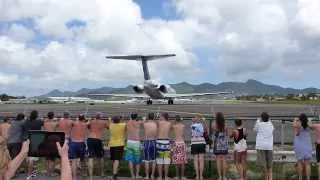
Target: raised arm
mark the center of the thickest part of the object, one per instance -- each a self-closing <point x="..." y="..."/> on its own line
<point x="17" y="161"/>
<point x="65" y="165"/>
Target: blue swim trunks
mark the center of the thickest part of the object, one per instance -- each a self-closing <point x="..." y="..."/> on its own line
<point x="133" y="152"/>
<point x="77" y="150"/>
<point x="149" y="150"/>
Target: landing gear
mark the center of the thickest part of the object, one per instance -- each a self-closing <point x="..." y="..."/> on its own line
<point x="170" y="101"/>
<point x="149" y="102"/>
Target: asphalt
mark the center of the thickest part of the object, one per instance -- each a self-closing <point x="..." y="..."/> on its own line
<point x="239" y="110"/>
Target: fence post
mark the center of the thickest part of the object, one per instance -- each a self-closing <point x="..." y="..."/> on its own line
<point x="282" y="134"/>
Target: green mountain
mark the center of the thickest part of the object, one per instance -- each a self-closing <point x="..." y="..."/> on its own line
<point x="251" y="87"/>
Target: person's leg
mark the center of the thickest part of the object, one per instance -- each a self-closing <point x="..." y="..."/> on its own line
<point x="218" y="159"/>
<point x="308" y="169"/>
<point x="138" y="171"/>
<point x="131" y="170"/>
<point x="146" y="169"/>
<point x="115" y="167"/>
<point x="195" y="164"/>
<point x="318" y="170"/>
<point x="90" y="167"/>
<point x="182" y="171"/>
<point x="74" y="166"/>
<point x="160" y="171"/>
<point x="270" y="173"/>
<point x="102" y="166"/>
<point x="30" y="166"/>
<point x="166" y="171"/>
<point x="177" y="171"/>
<point x="224" y="166"/>
<point x="201" y="165"/>
<point x="244" y="165"/>
<point x="153" y="170"/>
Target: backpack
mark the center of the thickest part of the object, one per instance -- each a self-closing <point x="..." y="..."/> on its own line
<point x="221" y="143"/>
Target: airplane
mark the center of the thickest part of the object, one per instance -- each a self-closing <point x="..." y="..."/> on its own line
<point x="151" y="89"/>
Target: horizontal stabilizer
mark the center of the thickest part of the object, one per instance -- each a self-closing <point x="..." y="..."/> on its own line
<point x="141" y="57"/>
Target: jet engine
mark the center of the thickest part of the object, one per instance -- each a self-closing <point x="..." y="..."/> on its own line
<point x="138" y="89"/>
<point x="163" y="88"/>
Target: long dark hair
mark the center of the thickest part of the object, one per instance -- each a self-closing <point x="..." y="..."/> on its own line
<point x="220" y="121"/>
<point x="33" y="115"/>
<point x="304" y="120"/>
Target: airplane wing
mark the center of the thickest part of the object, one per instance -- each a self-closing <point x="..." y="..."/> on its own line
<point x="122" y="95"/>
<point x="140" y="57"/>
<point x="195" y="94"/>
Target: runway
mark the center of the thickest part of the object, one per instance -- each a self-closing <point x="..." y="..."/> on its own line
<point x="248" y="112"/>
<point x="243" y="109"/>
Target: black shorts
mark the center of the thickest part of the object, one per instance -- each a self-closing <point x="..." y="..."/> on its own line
<point x="116" y="153"/>
<point x="318" y="152"/>
<point x="51" y="158"/>
<point x="95" y="148"/>
<point x="198" y="149"/>
<point x="14" y="149"/>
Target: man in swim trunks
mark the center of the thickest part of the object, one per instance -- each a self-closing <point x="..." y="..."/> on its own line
<point x="149" y="144"/>
<point x="179" y="155"/>
<point x="163" y="145"/>
<point x="95" y="146"/>
<point x="77" y="144"/>
<point x="132" y="149"/>
<point x="65" y="125"/>
<point x="117" y="140"/>
<point x="50" y="125"/>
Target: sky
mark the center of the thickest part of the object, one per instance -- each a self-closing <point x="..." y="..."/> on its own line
<point x="46" y="45"/>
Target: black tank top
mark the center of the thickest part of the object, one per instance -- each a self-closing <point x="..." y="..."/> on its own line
<point x="240" y="136"/>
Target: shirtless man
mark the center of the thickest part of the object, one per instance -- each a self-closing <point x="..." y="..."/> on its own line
<point x="149" y="144"/>
<point x="50" y="125"/>
<point x="65" y="125"/>
<point x="179" y="155"/>
<point x="163" y="145"/>
<point x="133" y="151"/>
<point x="4" y="128"/>
<point x="95" y="146"/>
<point x="77" y="144"/>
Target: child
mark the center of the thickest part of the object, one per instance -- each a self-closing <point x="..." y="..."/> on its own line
<point x="220" y="147"/>
<point x="240" y="148"/>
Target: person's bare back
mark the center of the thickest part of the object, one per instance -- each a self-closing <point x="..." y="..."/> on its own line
<point x="65" y="125"/>
<point x="178" y="129"/>
<point x="133" y="130"/>
<point x="164" y="128"/>
<point x="150" y="130"/>
<point x="4" y="129"/>
<point x="49" y="125"/>
<point x="97" y="129"/>
<point x="78" y="132"/>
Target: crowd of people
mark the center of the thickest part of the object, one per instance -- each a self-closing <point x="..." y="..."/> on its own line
<point x="156" y="148"/>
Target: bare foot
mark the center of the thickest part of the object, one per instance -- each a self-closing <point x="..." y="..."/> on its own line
<point x="183" y="178"/>
<point x="146" y="178"/>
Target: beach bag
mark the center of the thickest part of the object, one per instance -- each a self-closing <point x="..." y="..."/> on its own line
<point x="221" y="143"/>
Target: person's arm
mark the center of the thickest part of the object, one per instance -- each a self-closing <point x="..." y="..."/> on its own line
<point x="17" y="161"/>
<point x="256" y="126"/>
<point x="65" y="164"/>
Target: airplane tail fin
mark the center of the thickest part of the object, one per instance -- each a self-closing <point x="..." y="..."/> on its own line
<point x="143" y="59"/>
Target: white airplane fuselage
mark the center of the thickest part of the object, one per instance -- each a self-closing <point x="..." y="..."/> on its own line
<point x="151" y="88"/>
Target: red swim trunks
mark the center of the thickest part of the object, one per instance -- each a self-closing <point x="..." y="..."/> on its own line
<point x="179" y="153"/>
